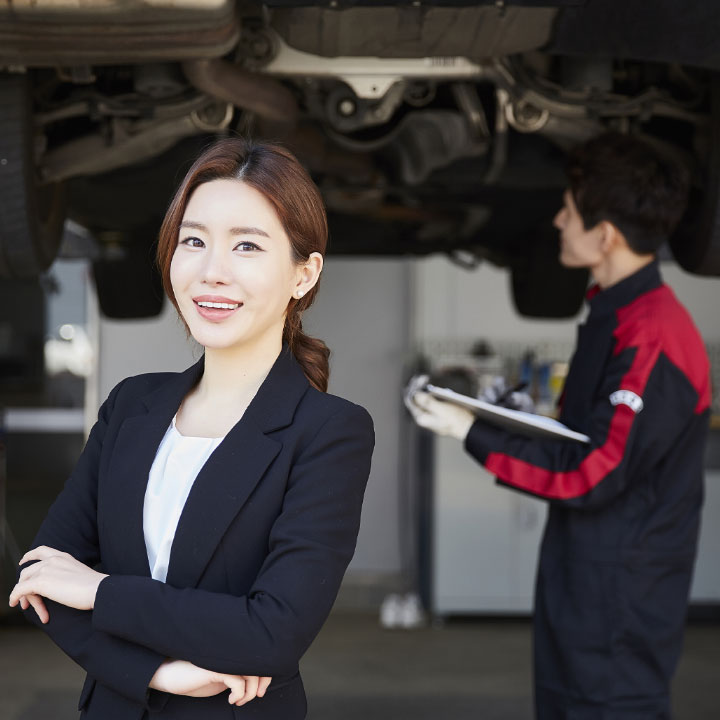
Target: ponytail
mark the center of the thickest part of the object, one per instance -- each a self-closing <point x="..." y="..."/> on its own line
<point x="312" y="354"/>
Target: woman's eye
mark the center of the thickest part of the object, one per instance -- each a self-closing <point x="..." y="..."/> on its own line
<point x="247" y="246"/>
<point x="192" y="242"/>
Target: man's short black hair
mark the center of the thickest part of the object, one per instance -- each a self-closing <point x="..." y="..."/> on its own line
<point x="625" y="181"/>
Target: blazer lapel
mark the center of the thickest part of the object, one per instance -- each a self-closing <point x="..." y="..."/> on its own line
<point x="231" y="473"/>
<point x="135" y="447"/>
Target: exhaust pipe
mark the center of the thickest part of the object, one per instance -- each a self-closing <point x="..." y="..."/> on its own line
<point x="251" y="91"/>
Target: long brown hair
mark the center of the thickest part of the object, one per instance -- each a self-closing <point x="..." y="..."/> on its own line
<point x="275" y="172"/>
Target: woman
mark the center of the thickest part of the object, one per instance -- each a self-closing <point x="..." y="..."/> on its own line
<point x="200" y="542"/>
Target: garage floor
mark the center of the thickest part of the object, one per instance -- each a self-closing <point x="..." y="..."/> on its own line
<point x="357" y="671"/>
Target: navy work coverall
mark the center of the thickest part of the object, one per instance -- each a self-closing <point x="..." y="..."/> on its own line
<point x="618" y="551"/>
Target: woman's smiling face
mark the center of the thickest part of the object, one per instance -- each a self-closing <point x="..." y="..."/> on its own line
<point x="232" y="272"/>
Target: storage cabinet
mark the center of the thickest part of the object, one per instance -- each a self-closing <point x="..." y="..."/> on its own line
<point x="706" y="581"/>
<point x="485" y="538"/>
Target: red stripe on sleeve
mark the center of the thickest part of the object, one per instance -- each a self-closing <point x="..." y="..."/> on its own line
<point x="598" y="464"/>
<point x="564" y="485"/>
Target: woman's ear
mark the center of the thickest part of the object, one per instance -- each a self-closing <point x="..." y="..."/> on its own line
<point x="308" y="273"/>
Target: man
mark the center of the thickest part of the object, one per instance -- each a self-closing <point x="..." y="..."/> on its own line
<point x="617" y="555"/>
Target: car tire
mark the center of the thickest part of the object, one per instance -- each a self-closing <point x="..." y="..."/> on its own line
<point x="31" y="214"/>
<point x="128" y="283"/>
<point x="541" y="286"/>
<point x="695" y="244"/>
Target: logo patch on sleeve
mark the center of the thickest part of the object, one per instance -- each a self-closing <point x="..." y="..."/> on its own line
<point x="629" y="398"/>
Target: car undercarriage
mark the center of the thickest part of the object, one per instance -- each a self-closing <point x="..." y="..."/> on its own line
<point x="429" y="127"/>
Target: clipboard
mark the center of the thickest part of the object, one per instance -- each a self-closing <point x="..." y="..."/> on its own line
<point x="517" y="421"/>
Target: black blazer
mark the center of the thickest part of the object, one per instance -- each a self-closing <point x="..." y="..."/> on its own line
<point x="260" y="549"/>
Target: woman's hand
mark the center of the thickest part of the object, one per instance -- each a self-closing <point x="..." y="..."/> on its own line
<point x="57" y="576"/>
<point x="37" y="602"/>
<point x="180" y="677"/>
<point x="252" y="686"/>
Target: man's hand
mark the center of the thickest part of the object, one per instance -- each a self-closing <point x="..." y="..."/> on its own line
<point x="180" y="677"/>
<point x="57" y="576"/>
<point x="443" y="418"/>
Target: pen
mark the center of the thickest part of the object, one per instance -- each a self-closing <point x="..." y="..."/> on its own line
<point x="506" y="395"/>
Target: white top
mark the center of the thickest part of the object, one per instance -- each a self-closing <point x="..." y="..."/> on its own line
<point x="177" y="463"/>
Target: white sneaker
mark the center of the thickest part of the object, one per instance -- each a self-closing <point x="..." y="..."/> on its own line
<point x="411" y="613"/>
<point x="391" y="611"/>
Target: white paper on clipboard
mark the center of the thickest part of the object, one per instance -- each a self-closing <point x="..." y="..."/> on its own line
<point x="514" y="420"/>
